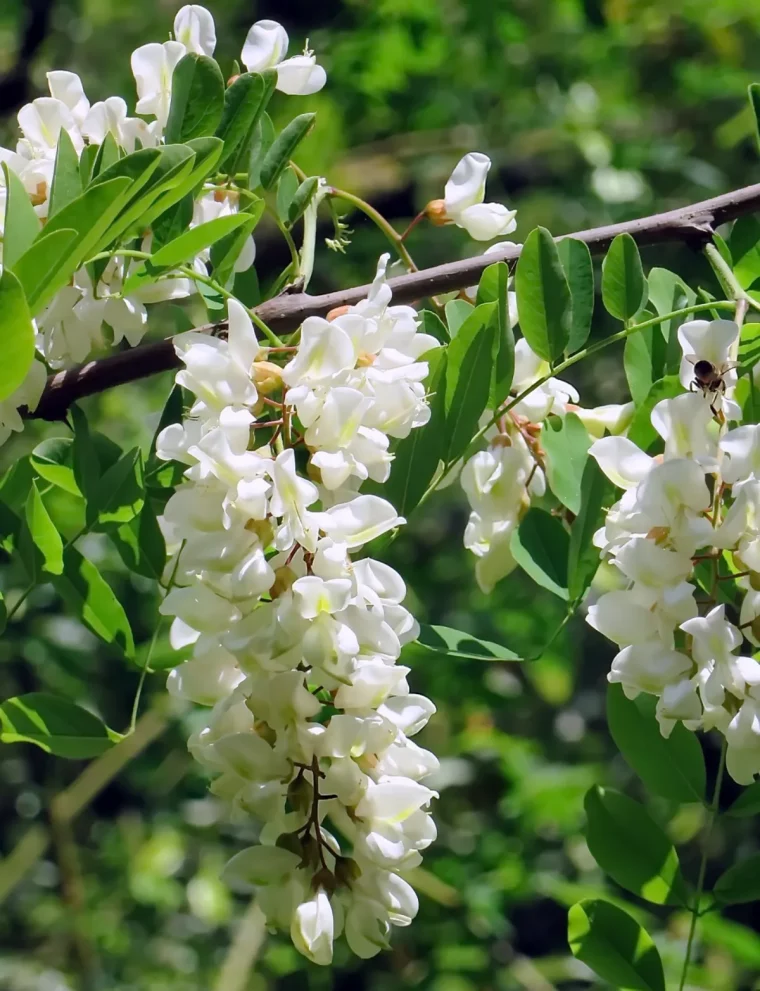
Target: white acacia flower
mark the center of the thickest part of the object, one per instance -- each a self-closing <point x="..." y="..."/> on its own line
<point x="265" y="48"/>
<point x="463" y="199"/>
<point x="312" y="928"/>
<point x="194" y="28"/>
<point x="152" y="67"/>
<point x="706" y="340"/>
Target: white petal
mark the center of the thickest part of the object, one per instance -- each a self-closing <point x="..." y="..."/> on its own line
<point x="265" y="46"/>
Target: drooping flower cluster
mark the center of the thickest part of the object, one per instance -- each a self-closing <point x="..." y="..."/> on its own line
<point x="679" y="512"/>
<point x="500" y="480"/>
<point x="72" y="325"/>
<point x="296" y="644"/>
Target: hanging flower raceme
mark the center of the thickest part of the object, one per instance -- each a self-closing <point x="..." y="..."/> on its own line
<point x="500" y="481"/>
<point x="667" y="535"/>
<point x="296" y="645"/>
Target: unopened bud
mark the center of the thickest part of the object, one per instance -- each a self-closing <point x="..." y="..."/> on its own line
<point x="435" y="212"/>
<point x="300" y="794"/>
<point x="267" y="377"/>
<point x="233" y="79"/>
<point x="754" y="581"/>
<point x="283" y="581"/>
<point x="314" y="473"/>
<point x="338" y="311"/>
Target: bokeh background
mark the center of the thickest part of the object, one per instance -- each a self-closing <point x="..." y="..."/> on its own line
<point x="592" y="111"/>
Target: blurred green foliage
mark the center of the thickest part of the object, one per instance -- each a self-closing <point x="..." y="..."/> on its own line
<point x="592" y="111"/>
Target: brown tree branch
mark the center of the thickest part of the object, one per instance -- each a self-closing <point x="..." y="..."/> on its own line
<point x="691" y="224"/>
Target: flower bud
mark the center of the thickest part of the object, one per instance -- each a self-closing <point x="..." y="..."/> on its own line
<point x="312" y="928"/>
<point x="267" y="377"/>
<point x="314" y="473"/>
<point x="336" y="312"/>
<point x="435" y="212"/>
<point x="233" y="79"/>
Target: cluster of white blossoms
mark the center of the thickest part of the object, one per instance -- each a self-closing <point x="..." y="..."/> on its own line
<point x="72" y="325"/>
<point x="295" y="643"/>
<point x="681" y="510"/>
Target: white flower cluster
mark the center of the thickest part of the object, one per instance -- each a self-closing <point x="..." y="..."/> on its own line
<point x="71" y="326"/>
<point x="681" y="509"/>
<point x="296" y="644"/>
<point x="500" y="480"/>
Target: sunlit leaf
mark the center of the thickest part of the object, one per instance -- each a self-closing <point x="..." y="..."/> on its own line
<point x="614" y="946"/>
<point x="624" y="289"/>
<point x="55" y="724"/>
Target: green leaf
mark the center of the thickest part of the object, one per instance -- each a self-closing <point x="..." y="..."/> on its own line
<point x="261" y="141"/>
<point x="286" y="142"/>
<point x="753" y="91"/>
<point x="543" y="296"/>
<point x="287" y="185"/>
<point x="140" y="544"/>
<point x="579" y="272"/>
<point x="172" y="222"/>
<point x="744" y="244"/>
<point x="169" y="181"/>
<point x="740" y="883"/>
<point x="187" y="246"/>
<point x="747" y="804"/>
<point x="90" y="215"/>
<point x="614" y="946"/>
<point x="453" y="643"/>
<point x="492" y="288"/>
<point x="642" y="366"/>
<point x="197" y="99"/>
<point x="456" y="312"/>
<point x="566" y="443"/>
<point x="629" y="846"/>
<point x="86" y="162"/>
<point x="55" y="724"/>
<point x="53" y="461"/>
<point x="15" y="484"/>
<point x="67" y="182"/>
<point x="22" y="225"/>
<point x="3" y="614"/>
<point x="39" y="264"/>
<point x="17" y="334"/>
<point x="674" y="768"/>
<point x="244" y="103"/>
<point x="540" y="547"/>
<point x="108" y="155"/>
<point x="416" y="458"/>
<point x="92" y="600"/>
<point x="301" y="199"/>
<point x="434" y="326"/>
<point x="597" y="494"/>
<point x="624" y="289"/>
<point x="44" y="535"/>
<point x="468" y="378"/>
<point x="668" y="292"/>
<point x="120" y="492"/>
<point x="226" y="251"/>
<point x="641" y="431"/>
